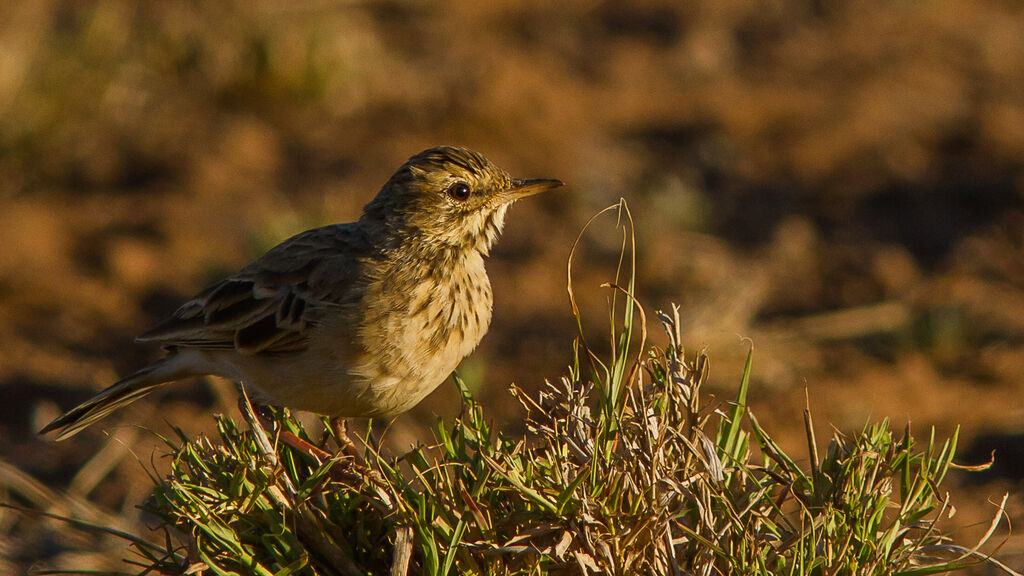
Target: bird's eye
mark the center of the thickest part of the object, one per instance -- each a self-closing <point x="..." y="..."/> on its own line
<point x="459" y="191"/>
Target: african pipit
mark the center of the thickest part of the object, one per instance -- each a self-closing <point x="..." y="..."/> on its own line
<point x="360" y="319"/>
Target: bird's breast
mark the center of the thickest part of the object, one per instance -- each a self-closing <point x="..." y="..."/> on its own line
<point x="421" y="322"/>
<point x="449" y="311"/>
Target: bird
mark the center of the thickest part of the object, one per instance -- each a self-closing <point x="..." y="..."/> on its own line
<point x="358" y="319"/>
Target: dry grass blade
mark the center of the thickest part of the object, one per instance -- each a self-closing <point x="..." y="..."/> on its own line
<point x="403" y="551"/>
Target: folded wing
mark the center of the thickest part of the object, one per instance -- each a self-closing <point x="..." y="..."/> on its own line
<point x="271" y="305"/>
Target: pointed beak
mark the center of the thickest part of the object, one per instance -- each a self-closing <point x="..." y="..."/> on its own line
<point x="522" y="188"/>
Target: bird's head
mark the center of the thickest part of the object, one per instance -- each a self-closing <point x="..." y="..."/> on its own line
<point x="450" y="197"/>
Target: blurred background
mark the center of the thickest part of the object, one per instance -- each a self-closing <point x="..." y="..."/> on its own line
<point x="841" y="182"/>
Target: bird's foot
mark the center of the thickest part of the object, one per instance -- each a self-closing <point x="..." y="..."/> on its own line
<point x="345" y="444"/>
<point x="348" y="448"/>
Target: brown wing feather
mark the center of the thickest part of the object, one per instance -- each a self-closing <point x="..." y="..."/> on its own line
<point x="269" y="305"/>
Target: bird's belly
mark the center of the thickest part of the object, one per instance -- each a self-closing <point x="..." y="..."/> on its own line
<point x="310" y="381"/>
<point x="369" y="385"/>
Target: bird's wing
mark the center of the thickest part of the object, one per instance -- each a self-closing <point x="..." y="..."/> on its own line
<point x="271" y="305"/>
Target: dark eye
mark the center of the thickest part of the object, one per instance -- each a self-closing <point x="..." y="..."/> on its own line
<point x="459" y="191"/>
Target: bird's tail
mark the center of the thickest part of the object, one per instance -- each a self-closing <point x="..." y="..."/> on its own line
<point x="120" y="394"/>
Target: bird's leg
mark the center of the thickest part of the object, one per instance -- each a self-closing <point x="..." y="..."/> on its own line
<point x="340" y="429"/>
<point x="349" y="449"/>
<point x="305" y="447"/>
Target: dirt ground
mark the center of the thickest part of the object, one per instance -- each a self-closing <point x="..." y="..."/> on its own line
<point x="841" y="183"/>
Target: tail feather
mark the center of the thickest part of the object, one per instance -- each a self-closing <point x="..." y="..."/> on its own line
<point x="119" y="394"/>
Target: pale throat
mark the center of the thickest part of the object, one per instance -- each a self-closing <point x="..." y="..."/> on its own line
<point x="489" y="227"/>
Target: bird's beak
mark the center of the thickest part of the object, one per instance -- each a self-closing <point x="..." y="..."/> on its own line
<point x="522" y="188"/>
